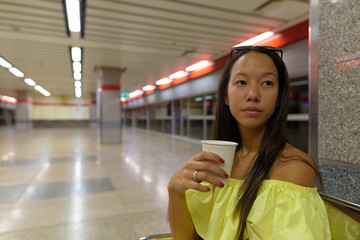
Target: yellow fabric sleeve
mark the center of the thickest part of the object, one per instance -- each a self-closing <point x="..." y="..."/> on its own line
<point x="341" y="225"/>
<point x="282" y="210"/>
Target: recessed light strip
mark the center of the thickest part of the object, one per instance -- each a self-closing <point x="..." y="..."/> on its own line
<point x="30" y="82"/>
<point x="20" y="74"/>
<point x="4" y="63"/>
<point x="76" y="54"/>
<point x="73" y="15"/>
<point x="16" y="72"/>
<point x="256" y="39"/>
<point x="76" y="58"/>
<point x="197" y="66"/>
<point x="42" y="90"/>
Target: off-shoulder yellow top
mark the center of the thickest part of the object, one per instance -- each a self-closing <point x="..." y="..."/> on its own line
<point x="281" y="211"/>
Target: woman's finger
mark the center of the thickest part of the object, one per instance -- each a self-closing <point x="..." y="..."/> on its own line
<point x="207" y="177"/>
<point x="208" y="156"/>
<point x="198" y="187"/>
<point x="207" y="165"/>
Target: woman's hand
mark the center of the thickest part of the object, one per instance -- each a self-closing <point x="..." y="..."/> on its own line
<point x="207" y="166"/>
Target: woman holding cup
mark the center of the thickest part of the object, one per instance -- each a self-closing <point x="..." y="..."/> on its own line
<point x="271" y="191"/>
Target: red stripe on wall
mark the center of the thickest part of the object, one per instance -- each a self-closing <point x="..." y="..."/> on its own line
<point x="62" y="104"/>
<point x="149" y="91"/>
<point x="221" y="62"/>
<point x="24" y="101"/>
<point x="201" y="72"/>
<point x="161" y="87"/>
<point x="180" y="80"/>
<point x="288" y="36"/>
<point x="280" y="39"/>
<point x="110" y="87"/>
<point x="283" y="38"/>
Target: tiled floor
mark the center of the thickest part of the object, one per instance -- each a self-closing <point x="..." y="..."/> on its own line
<point x="63" y="184"/>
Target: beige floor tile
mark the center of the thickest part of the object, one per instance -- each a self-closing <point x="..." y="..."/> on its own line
<point x="69" y="171"/>
<point x="17" y="175"/>
<point x="137" y="171"/>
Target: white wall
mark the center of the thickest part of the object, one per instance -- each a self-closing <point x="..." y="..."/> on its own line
<point x="60" y="108"/>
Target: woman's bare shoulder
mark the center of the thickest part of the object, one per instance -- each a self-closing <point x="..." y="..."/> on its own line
<point x="294" y="166"/>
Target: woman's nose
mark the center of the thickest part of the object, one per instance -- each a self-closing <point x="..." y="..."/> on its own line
<point x="253" y="94"/>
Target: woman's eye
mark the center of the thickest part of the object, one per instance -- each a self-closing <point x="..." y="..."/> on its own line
<point x="267" y="83"/>
<point x="241" y="82"/>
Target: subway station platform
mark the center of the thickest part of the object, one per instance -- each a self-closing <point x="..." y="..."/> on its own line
<point x="63" y="184"/>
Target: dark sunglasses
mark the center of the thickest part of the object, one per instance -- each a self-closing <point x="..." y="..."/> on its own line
<point x="235" y="50"/>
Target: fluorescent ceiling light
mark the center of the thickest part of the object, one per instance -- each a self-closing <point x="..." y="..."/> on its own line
<point x="76" y="54"/>
<point x="198" y="66"/>
<point x="76" y="66"/>
<point x="73" y="14"/>
<point x="178" y="74"/>
<point x="148" y="87"/>
<point x="77" y="75"/>
<point x="42" y="90"/>
<point x="38" y="88"/>
<point x="4" y="63"/>
<point x="29" y="82"/>
<point x="78" y="92"/>
<point x="8" y="99"/>
<point x="256" y="39"/>
<point x="16" y="72"/>
<point x="77" y="84"/>
<point x="135" y="93"/>
<point x="163" y="81"/>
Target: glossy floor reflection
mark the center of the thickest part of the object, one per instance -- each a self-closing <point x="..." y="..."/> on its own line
<point x="63" y="184"/>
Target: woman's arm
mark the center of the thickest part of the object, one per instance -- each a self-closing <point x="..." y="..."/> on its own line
<point x="181" y="224"/>
<point x="206" y="163"/>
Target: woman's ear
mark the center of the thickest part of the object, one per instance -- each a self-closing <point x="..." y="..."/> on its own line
<point x="227" y="100"/>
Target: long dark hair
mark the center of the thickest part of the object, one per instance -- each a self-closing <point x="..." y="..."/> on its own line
<point x="273" y="141"/>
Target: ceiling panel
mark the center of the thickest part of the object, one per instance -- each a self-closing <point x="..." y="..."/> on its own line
<point x="285" y="10"/>
<point x="151" y="38"/>
<point x="231" y="5"/>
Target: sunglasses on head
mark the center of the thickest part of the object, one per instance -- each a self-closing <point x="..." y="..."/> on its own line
<point x="235" y="50"/>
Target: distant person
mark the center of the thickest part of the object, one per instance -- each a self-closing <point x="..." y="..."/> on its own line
<point x="272" y="190"/>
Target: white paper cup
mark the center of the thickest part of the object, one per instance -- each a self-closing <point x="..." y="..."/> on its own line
<point x="225" y="149"/>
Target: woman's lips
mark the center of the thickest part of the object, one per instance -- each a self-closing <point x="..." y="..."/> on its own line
<point x="251" y="111"/>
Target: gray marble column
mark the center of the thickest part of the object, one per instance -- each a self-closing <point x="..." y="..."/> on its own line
<point x="335" y="95"/>
<point x="93" y="113"/>
<point x="109" y="105"/>
<point x="23" y="110"/>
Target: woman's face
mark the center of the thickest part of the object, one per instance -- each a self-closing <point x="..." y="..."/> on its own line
<point x="253" y="90"/>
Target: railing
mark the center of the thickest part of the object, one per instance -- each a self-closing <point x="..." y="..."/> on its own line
<point x="157" y="237"/>
<point x="350" y="209"/>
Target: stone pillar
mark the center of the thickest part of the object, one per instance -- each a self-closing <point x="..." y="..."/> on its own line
<point x="93" y="113"/>
<point x="109" y="105"/>
<point x="23" y="111"/>
<point x="334" y="95"/>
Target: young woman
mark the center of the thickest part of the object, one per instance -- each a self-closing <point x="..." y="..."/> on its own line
<point x="272" y="191"/>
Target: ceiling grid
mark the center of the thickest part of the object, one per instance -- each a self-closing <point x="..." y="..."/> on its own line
<point x="151" y="39"/>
